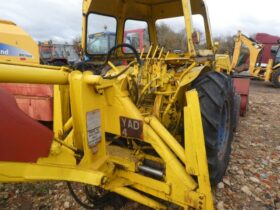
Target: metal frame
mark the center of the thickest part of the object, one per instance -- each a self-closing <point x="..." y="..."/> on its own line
<point x="100" y="165"/>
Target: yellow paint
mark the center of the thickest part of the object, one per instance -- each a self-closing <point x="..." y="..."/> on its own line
<point x="195" y="150"/>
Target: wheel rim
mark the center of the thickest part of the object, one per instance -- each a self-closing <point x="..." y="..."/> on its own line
<point x="223" y="131"/>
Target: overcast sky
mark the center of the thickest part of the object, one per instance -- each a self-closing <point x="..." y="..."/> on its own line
<point x="61" y="19"/>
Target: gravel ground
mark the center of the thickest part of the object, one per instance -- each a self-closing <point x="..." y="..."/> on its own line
<point x="251" y="182"/>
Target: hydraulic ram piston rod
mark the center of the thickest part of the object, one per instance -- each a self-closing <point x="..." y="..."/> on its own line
<point x="151" y="171"/>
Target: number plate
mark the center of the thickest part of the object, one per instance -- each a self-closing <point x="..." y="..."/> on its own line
<point x="131" y="128"/>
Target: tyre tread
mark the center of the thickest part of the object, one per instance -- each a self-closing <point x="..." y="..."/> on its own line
<point x="214" y="89"/>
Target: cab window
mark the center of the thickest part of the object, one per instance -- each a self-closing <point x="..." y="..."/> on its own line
<point x="171" y="34"/>
<point x="101" y="33"/>
<point x="198" y="25"/>
<point x="136" y="34"/>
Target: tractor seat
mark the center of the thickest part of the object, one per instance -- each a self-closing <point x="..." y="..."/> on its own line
<point x="22" y="139"/>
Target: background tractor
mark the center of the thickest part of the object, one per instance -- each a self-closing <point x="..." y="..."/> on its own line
<point x="58" y="54"/>
<point x="155" y="127"/>
<point x="254" y="50"/>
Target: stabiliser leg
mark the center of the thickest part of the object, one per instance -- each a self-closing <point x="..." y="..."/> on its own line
<point x="196" y="159"/>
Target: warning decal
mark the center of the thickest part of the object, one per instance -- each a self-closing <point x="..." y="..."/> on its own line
<point x="94" y="127"/>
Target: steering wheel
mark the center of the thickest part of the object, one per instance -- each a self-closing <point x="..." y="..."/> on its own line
<point x="109" y="54"/>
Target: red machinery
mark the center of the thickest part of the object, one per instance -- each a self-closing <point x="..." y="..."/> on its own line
<point x="242" y="87"/>
<point x="18" y="132"/>
<point x="268" y="41"/>
<point x="35" y="100"/>
<point x="136" y="34"/>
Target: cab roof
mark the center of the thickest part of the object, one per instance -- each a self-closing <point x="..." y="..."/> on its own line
<point x="142" y="9"/>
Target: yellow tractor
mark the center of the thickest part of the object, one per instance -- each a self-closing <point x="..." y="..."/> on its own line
<point x="155" y="127"/>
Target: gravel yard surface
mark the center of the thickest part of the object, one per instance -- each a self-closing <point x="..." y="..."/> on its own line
<point x="252" y="180"/>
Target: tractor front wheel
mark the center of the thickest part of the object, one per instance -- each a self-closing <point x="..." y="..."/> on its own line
<point x="216" y="95"/>
<point x="276" y="78"/>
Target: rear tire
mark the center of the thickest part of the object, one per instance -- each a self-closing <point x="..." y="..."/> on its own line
<point x="216" y="95"/>
<point x="276" y="78"/>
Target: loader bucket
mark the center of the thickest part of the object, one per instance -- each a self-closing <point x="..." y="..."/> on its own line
<point x="33" y="99"/>
<point x="22" y="139"/>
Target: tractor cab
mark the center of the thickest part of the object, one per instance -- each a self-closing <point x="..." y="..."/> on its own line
<point x="146" y="25"/>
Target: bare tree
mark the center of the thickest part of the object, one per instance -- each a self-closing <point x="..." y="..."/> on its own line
<point x="226" y="44"/>
<point x="170" y="39"/>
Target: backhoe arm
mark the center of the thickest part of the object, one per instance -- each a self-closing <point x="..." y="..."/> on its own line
<point x="254" y="50"/>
